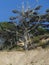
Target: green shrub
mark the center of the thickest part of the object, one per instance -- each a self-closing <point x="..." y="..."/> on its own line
<point x="42" y="31"/>
<point x="36" y="39"/>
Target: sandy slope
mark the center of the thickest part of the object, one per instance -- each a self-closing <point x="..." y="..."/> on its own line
<point x="33" y="57"/>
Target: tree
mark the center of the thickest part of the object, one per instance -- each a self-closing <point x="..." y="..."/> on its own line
<point x="7" y="32"/>
<point x="28" y="20"/>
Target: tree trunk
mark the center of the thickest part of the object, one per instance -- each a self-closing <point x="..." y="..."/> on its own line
<point x="26" y="42"/>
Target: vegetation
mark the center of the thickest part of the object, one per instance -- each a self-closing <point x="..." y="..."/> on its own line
<point x="25" y="29"/>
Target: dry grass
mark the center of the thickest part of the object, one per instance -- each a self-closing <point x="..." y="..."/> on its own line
<point x="32" y="57"/>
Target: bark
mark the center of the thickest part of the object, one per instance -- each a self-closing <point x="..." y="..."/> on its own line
<point x="26" y="42"/>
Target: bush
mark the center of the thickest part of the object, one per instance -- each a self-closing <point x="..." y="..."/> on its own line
<point x="36" y="39"/>
<point x="42" y="31"/>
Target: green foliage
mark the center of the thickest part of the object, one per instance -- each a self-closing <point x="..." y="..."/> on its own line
<point x="36" y="39"/>
<point x="41" y="30"/>
<point x="7" y="25"/>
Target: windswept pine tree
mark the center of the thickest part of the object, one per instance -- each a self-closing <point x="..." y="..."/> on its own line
<point x="24" y="26"/>
<point x="28" y="21"/>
